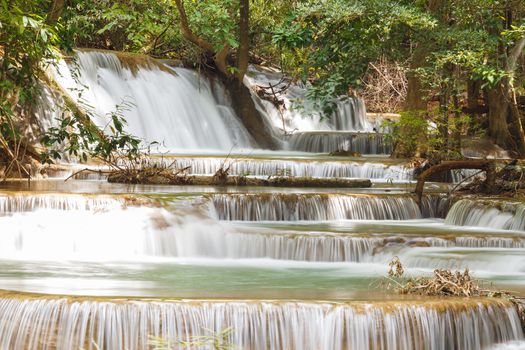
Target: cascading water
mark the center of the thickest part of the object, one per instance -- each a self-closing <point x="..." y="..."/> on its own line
<point x="61" y="324"/>
<point x="298" y="113"/>
<point x="499" y="215"/>
<point x="326" y="142"/>
<point x="307" y="168"/>
<point x="10" y="203"/>
<point x="324" y="249"/>
<point x="174" y="107"/>
<point x="43" y="250"/>
<point x="298" y="116"/>
<point x="39" y="226"/>
<point x="486" y="262"/>
<point x="376" y="171"/>
<point x="290" y="207"/>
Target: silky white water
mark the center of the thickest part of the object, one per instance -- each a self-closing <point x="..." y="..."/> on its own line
<point x="280" y="267"/>
<point x="43" y="324"/>
<point x="15" y="203"/>
<point x="326" y="142"/>
<point x="299" y="114"/>
<point x="312" y="207"/>
<point x="183" y="250"/>
<point x="296" y="167"/>
<point x="493" y="214"/>
<point x="299" y="117"/>
<point x="41" y="227"/>
<point x="174" y="107"/>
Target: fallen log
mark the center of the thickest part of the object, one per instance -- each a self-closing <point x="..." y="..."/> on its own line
<point x="486" y="165"/>
<point x="280" y="181"/>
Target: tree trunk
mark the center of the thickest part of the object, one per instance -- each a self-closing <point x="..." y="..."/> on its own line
<point x="444" y="119"/>
<point x="245" y="109"/>
<point x="498" y="111"/>
<point x="517" y="127"/>
<point x="486" y="165"/>
<point x="244" y="39"/>
<point x="240" y="95"/>
<point x="416" y="99"/>
<point x="473" y="93"/>
<point x="505" y="126"/>
<point x="57" y="6"/>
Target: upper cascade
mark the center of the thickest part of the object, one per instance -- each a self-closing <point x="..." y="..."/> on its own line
<point x="297" y="113"/>
<point x="293" y="167"/>
<point x="172" y="106"/>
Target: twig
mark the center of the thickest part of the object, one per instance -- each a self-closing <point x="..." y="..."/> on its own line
<point x="465" y="179"/>
<point x="88" y="170"/>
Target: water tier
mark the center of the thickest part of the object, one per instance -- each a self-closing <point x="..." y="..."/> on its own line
<point x="290" y="207"/>
<point x="494" y="214"/>
<point x="64" y="324"/>
<point x="326" y="142"/>
<point x="174" y="107"/>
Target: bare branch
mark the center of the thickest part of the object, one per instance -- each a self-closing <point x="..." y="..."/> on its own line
<point x="188" y="33"/>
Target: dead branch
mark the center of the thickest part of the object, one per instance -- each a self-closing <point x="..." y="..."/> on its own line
<point x="485" y="165"/>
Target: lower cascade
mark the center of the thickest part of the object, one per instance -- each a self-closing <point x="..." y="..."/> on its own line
<point x="292" y="207"/>
<point x="123" y="324"/>
<point x="493" y="214"/>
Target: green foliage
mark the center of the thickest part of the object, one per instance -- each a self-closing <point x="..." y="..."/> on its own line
<point x="334" y="40"/>
<point x="27" y="44"/>
<point x="84" y="140"/>
<point x="410" y="135"/>
<point x="125" y="25"/>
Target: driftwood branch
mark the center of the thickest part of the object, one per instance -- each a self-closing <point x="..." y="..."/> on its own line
<point x="485" y="165"/>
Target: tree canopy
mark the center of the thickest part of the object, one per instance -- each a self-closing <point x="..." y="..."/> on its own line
<point x="463" y="60"/>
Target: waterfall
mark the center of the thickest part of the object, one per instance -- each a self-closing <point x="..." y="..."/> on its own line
<point x="295" y="167"/>
<point x="490" y="242"/>
<point x="42" y="227"/>
<point x="291" y="207"/>
<point x="46" y="227"/>
<point x="493" y="214"/>
<point x="325" y="142"/>
<point x="298" y="114"/>
<point x="13" y="203"/>
<point x="308" y="247"/>
<point x="174" y="107"/>
<point x="64" y="324"/>
<point x="501" y="262"/>
<point x="311" y="246"/>
<point x="261" y="167"/>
